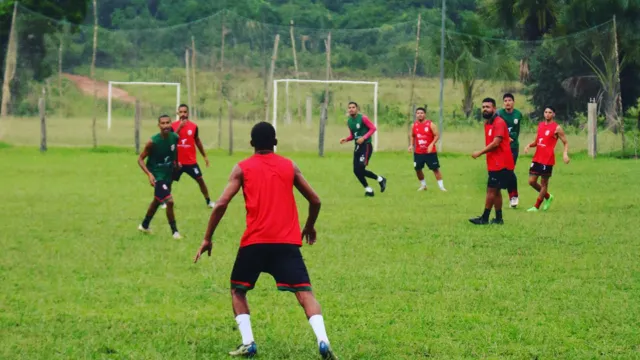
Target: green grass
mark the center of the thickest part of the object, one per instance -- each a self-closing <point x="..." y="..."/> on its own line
<point x="399" y="276"/>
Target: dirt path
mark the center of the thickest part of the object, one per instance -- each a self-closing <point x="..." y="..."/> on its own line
<point x="85" y="84"/>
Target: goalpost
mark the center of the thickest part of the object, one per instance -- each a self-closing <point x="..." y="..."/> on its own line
<point x="111" y="83"/>
<point x="287" y="81"/>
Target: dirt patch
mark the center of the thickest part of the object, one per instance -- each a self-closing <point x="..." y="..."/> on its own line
<point x="85" y="84"/>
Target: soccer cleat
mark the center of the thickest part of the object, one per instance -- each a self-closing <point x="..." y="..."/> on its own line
<point x="422" y="188"/>
<point x="325" y="351"/>
<point x="368" y="193"/>
<point x="443" y="189"/>
<point x="479" y="221"/>
<point x="249" y="351"/>
<point x="146" y="231"/>
<point x="383" y="184"/>
<point x="547" y="203"/>
<point x="513" y="202"/>
<point x="211" y="204"/>
<point x="497" y="222"/>
<point x="177" y="236"/>
<point x="533" y="209"/>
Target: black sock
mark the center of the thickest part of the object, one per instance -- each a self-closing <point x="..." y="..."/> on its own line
<point x="207" y="200"/>
<point x="146" y="221"/>
<point x="498" y="214"/>
<point x="485" y="214"/>
<point x="174" y="228"/>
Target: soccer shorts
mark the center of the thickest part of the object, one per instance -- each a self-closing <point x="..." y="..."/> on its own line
<point x="501" y="179"/>
<point x="515" y="153"/>
<point x="361" y="154"/>
<point x="191" y="170"/>
<point x="431" y="160"/>
<point x="538" y="169"/>
<point x="282" y="261"/>
<point x="162" y="190"/>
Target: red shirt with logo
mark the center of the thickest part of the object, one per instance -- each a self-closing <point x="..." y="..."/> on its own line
<point x="422" y="137"/>
<point x="187" y="142"/>
<point x="500" y="157"/>
<point x="546" y="143"/>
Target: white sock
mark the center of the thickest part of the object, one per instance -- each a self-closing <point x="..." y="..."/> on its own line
<point x="441" y="184"/>
<point x="380" y="178"/>
<point x="317" y="324"/>
<point x="368" y="189"/>
<point x="423" y="183"/>
<point x="244" y="325"/>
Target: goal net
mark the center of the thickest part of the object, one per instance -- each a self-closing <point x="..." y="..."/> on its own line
<point x="298" y="111"/>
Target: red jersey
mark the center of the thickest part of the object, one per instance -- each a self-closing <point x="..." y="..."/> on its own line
<point x="500" y="158"/>
<point x="422" y="137"/>
<point x="546" y="143"/>
<point x="187" y="142"/>
<point x="272" y="215"/>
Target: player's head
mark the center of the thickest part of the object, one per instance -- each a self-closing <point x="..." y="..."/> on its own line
<point x="183" y="111"/>
<point x="488" y="108"/>
<point x="421" y="113"/>
<point x="263" y="136"/>
<point x="352" y="108"/>
<point x="164" y="123"/>
<point x="549" y="113"/>
<point x="508" y="100"/>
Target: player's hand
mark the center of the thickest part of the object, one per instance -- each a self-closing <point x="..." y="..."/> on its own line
<point x="309" y="234"/>
<point x="206" y="246"/>
<point x="430" y="148"/>
<point x="565" y="157"/>
<point x="206" y="161"/>
<point x="476" y="154"/>
<point x="526" y="149"/>
<point x="152" y="180"/>
<point x="410" y="149"/>
<point x="343" y="140"/>
<point x="360" y="141"/>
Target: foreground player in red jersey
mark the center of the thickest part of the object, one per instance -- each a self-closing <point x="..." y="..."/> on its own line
<point x="189" y="140"/>
<point x="425" y="136"/>
<point x="272" y="240"/>
<point x="543" y="160"/>
<point x="499" y="162"/>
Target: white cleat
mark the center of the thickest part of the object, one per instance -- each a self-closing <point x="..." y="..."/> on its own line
<point x="211" y="204"/>
<point x="443" y="189"/>
<point x="513" y="202"/>
<point x="164" y="205"/>
<point x="176" y="235"/>
<point x="422" y="188"/>
<point x="146" y="231"/>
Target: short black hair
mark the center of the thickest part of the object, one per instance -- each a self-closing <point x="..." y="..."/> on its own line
<point x="353" y="102"/>
<point x="551" y="108"/>
<point x="489" y="100"/>
<point x="508" y="95"/>
<point x="263" y="136"/>
<point x="183" y="105"/>
<point x="421" y="108"/>
<point x="163" y="116"/>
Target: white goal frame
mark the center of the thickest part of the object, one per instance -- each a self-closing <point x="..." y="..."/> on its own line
<point x="353" y="82"/>
<point x="111" y="83"/>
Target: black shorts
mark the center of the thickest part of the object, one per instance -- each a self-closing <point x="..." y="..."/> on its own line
<point x="362" y="154"/>
<point x="431" y="160"/>
<point x="514" y="153"/>
<point x="538" y="169"/>
<point x="191" y="170"/>
<point x="283" y="261"/>
<point x="501" y="179"/>
<point x="162" y="190"/>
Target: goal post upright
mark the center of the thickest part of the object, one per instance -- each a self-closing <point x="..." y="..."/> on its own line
<point x="274" y="119"/>
<point x="110" y="93"/>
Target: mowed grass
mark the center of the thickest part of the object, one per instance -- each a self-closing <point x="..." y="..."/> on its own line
<point x="400" y="276"/>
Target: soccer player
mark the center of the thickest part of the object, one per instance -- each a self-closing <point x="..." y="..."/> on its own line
<point x="189" y="140"/>
<point x="160" y="152"/>
<point x="361" y="129"/>
<point x="499" y="162"/>
<point x="543" y="160"/>
<point x="512" y="117"/>
<point x="425" y="135"/>
<point x="272" y="239"/>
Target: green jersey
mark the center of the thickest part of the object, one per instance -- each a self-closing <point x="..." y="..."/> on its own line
<point x="513" y="121"/>
<point x="358" y="127"/>
<point x="162" y="156"/>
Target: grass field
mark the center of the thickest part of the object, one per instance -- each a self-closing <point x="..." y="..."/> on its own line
<point x="400" y="276"/>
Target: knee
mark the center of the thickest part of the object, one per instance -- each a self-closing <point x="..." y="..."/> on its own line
<point x="169" y="202"/>
<point x="238" y="293"/>
<point x="533" y="181"/>
<point x="358" y="170"/>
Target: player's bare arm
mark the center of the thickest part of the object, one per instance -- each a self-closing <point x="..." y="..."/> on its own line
<point x="232" y="188"/>
<point x="492" y="146"/>
<point x="436" y="137"/>
<point x="563" y="137"/>
<point x="143" y="155"/>
<point x="412" y="136"/>
<point x="201" y="149"/>
<point x="532" y="144"/>
<point x="309" y="232"/>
